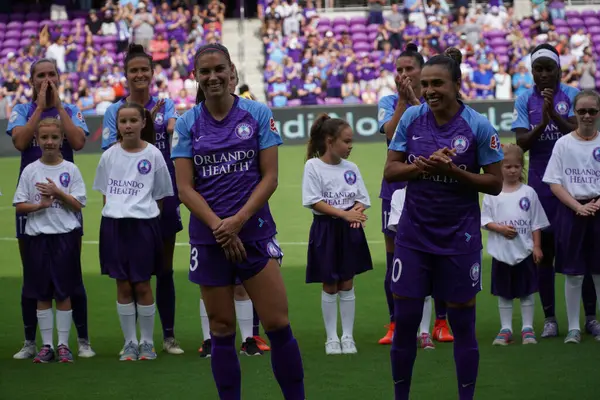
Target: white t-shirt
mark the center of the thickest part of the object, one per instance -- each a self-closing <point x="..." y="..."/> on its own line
<point x="58" y="218"/>
<point x="397" y="205"/>
<point x="503" y="86"/>
<point x="575" y="165"/>
<point x="339" y="185"/>
<point x="132" y="182"/>
<point x="523" y="211"/>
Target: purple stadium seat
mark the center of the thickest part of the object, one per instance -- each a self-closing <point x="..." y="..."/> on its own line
<point x="294" y="103"/>
<point x="372" y="36"/>
<point x="358" y="20"/>
<point x="373" y="28"/>
<point x="323" y="29"/>
<point x="572" y="14"/>
<point x="30" y="24"/>
<point x="14" y="25"/>
<point x="557" y="23"/>
<point x="588" y="13"/>
<point x="110" y="46"/>
<point x="25" y="42"/>
<point x="503" y="59"/>
<point x="80" y="49"/>
<point x="498" y="41"/>
<point x="594" y="31"/>
<point x="361" y="46"/>
<point x="563" y="30"/>
<point x="1" y="35"/>
<point x="338" y="37"/>
<point x="97" y="39"/>
<point x="501" y="50"/>
<point x="333" y="101"/>
<point x="29" y="32"/>
<point x="358" y="29"/>
<point x="80" y="20"/>
<point x="526" y="22"/>
<point x="45" y="22"/>
<point x="340" y="28"/>
<point x="73" y="76"/>
<point x="13" y="35"/>
<point x="376" y="55"/>
<point x="324" y="21"/>
<point x="2" y="26"/>
<point x="359" y="37"/>
<point x="7" y="50"/>
<point x="595" y="37"/>
<point x="575" y="22"/>
<point x="17" y="17"/>
<point x="591" y="21"/>
<point x="339" y="21"/>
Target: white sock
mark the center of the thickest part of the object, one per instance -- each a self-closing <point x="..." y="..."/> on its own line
<point x="64" y="320"/>
<point x="426" y="320"/>
<point x="506" y="311"/>
<point x="46" y="325"/>
<point x="347" y="311"/>
<point x="596" y="279"/>
<point x="245" y="317"/>
<point x="527" y="310"/>
<point x="146" y="321"/>
<point x="329" y="308"/>
<point x="204" y="321"/>
<point x="573" y="284"/>
<point x="127" y="318"/>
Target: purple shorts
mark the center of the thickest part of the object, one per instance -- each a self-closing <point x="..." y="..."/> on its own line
<point x="130" y="249"/>
<point x="52" y="266"/>
<point x="386" y="209"/>
<point x="210" y="267"/>
<point x="21" y="220"/>
<point x="451" y="278"/>
<point x="514" y="281"/>
<point x="170" y="219"/>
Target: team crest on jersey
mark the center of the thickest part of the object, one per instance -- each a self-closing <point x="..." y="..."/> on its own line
<point x="244" y="131"/>
<point x="273" y="126"/>
<point x="596" y="154"/>
<point x="524" y="203"/>
<point x="159" y="119"/>
<point x="13" y="117"/>
<point x="80" y="116"/>
<point x="65" y="179"/>
<point x="174" y="139"/>
<point x="562" y="108"/>
<point x="515" y="115"/>
<point x="475" y="271"/>
<point x="350" y="177"/>
<point x="381" y="114"/>
<point x="105" y="133"/>
<point x="144" y="166"/>
<point x="460" y="143"/>
<point x="273" y="250"/>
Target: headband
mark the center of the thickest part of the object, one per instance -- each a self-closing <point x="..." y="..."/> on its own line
<point x="545" y="53"/>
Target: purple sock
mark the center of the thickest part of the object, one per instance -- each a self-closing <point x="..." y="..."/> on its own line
<point x="226" y="367"/>
<point x="588" y="295"/>
<point x="287" y="363"/>
<point x="165" y="302"/>
<point x="29" y="314"/>
<point x="466" y="350"/>
<point x="387" y="283"/>
<point x="440" y="309"/>
<point x="408" y="314"/>
<point x="255" y="323"/>
<point x="79" y="306"/>
<point x="546" y="286"/>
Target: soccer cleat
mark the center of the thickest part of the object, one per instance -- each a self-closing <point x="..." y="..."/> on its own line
<point x="504" y="338"/>
<point x="171" y="346"/>
<point x="27" y="351"/>
<point x="389" y="335"/>
<point x="425" y="342"/>
<point x="64" y="354"/>
<point x="130" y="352"/>
<point x="250" y="348"/>
<point x="84" y="348"/>
<point x="348" y="345"/>
<point x="441" y="331"/>
<point x="528" y="336"/>
<point x="206" y="349"/>
<point x="593" y="328"/>
<point x="333" y="347"/>
<point x="45" y="355"/>
<point x="574" y="336"/>
<point x="262" y="344"/>
<point x="550" y="329"/>
<point x="147" y="351"/>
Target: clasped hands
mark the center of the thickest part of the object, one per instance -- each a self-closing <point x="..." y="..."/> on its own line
<point x="440" y="162"/>
<point x="226" y="235"/>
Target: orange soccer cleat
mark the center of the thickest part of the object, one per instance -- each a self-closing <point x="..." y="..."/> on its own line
<point x="441" y="331"/>
<point x="387" y="339"/>
<point x="262" y="344"/>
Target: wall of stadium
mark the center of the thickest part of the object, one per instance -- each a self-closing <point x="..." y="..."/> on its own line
<point x="294" y="123"/>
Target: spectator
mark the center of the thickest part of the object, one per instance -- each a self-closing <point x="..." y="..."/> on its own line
<point x="245" y="92"/>
<point x="105" y="96"/>
<point x="521" y="80"/>
<point x="557" y="9"/>
<point x="183" y="101"/>
<point x="542" y="26"/>
<point x="5" y="104"/>
<point x="369" y="95"/>
<point x="503" y="84"/>
<point x="376" y="12"/>
<point x="350" y="90"/>
<point x="108" y="27"/>
<point x="494" y="21"/>
<point x="279" y="92"/>
<point x="587" y="72"/>
<point x="175" y="85"/>
<point x="382" y="37"/>
<point x="159" y="48"/>
<point x="415" y="11"/>
<point x="483" y="81"/>
<point x="56" y="51"/>
<point x="58" y="10"/>
<point x="86" y="102"/>
<point x="143" y="26"/>
<point x="394" y="24"/>
<point x="579" y="41"/>
<point x="385" y="84"/>
<point x="94" y="24"/>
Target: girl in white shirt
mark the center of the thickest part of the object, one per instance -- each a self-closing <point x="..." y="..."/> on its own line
<point x="334" y="190"/>
<point x="514" y="219"/>
<point x="133" y="178"/>
<point x="573" y="175"/>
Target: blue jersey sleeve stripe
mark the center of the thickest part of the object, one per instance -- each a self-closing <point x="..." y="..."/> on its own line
<point x="78" y="119"/>
<point x="109" y="125"/>
<point x="18" y="117"/>
<point x="385" y="110"/>
<point x="521" y="111"/>
<point x="267" y="132"/>
<point x="181" y="144"/>
<point x="398" y="142"/>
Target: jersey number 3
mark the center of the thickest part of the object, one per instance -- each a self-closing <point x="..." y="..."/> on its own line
<point x="194" y="259"/>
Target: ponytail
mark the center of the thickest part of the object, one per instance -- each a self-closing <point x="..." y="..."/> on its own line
<point x="148" y="134"/>
<point x="323" y="128"/>
<point x="200" y="96"/>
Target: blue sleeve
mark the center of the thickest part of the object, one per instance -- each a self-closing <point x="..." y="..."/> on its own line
<point x="181" y="143"/>
<point x="17" y="118"/>
<point x="170" y="112"/>
<point x="398" y="142"/>
<point x="109" y="127"/>
<point x="385" y="112"/>
<point x="571" y="92"/>
<point x="77" y="118"/>
<point x="268" y="136"/>
<point x="521" y="113"/>
<point x="489" y="150"/>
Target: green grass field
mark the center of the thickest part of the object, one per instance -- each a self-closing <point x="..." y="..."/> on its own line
<point x="551" y="370"/>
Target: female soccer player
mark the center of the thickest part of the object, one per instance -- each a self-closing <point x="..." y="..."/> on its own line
<point x="439" y="148"/>
<point x="22" y="125"/>
<point x="572" y="175"/>
<point x="515" y="219"/>
<point x="139" y="71"/>
<point x="391" y="109"/>
<point x="335" y="191"/>
<point x="51" y="192"/>
<point x="542" y="115"/>
<point x="225" y="152"/>
<point x="133" y="178"/>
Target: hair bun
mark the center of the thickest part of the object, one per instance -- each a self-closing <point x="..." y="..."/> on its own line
<point x="412" y="47"/>
<point x="454" y="54"/>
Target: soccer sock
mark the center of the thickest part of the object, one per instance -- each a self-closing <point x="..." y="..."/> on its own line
<point x="46" y="323"/>
<point x="329" y="309"/>
<point x="29" y="314"/>
<point x="204" y="321"/>
<point x="573" y="284"/>
<point x="79" y="307"/>
<point x="527" y="310"/>
<point x="426" y="319"/>
<point x="255" y="323"/>
<point x="505" y="306"/>
<point x="546" y="285"/>
<point x="466" y="350"/>
<point x="64" y="319"/>
<point x="165" y="302"/>
<point x="226" y="367"/>
<point x="127" y="319"/>
<point x="408" y="314"/>
<point x="387" y="283"/>
<point x="146" y="321"/>
<point x="347" y="311"/>
<point x="243" y="312"/>
<point x="588" y="295"/>
<point x="441" y="310"/>
<point x="287" y="363"/>
<point x="596" y="279"/>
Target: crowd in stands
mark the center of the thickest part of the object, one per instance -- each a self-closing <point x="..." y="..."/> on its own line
<point x="312" y="60"/>
<point x="89" y="47"/>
